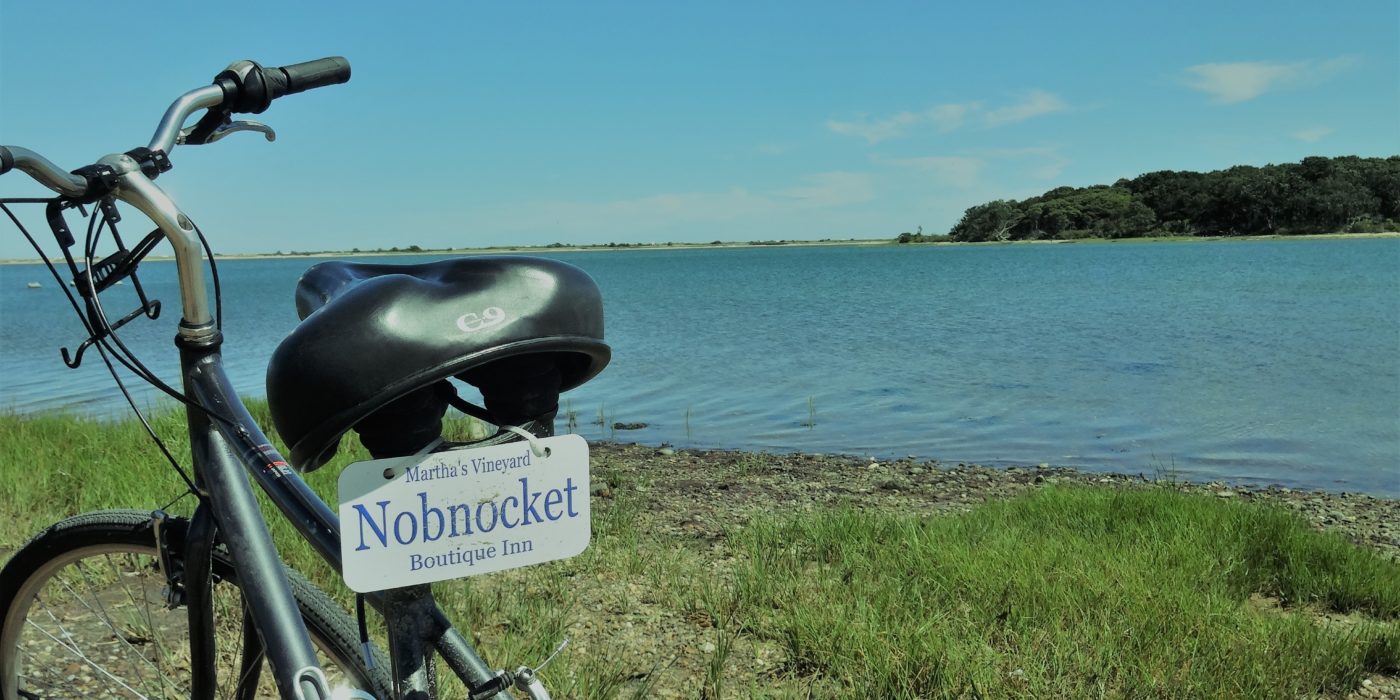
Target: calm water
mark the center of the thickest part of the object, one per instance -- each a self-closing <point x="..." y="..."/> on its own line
<point x="1255" y="361"/>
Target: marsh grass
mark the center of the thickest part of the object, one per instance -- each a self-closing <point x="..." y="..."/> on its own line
<point x="1066" y="592"/>
<point x="570" y="417"/>
<point x="1069" y="593"/>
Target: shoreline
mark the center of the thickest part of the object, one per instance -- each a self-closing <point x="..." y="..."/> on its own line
<point x="513" y="250"/>
<point x="766" y="482"/>
<point x="1235" y="482"/>
<point x="589" y="248"/>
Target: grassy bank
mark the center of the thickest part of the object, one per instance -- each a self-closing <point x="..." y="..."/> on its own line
<point x="740" y="575"/>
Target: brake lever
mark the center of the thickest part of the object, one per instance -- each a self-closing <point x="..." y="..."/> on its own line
<point x="225" y="129"/>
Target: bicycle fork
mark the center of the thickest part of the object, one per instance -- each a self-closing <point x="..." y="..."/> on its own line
<point x="185" y="551"/>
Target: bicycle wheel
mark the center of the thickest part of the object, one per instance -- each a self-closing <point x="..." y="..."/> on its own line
<point x="84" y="614"/>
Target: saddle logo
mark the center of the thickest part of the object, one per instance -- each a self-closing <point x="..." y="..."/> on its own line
<point x="473" y="322"/>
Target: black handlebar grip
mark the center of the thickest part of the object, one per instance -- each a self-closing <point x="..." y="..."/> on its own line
<point x="300" y="77"/>
<point x="7" y="160"/>
<point x="249" y="87"/>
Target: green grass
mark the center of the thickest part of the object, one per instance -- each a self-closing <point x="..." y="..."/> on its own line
<point x="1062" y="593"/>
<point x="54" y="466"/>
<point x="1069" y="593"/>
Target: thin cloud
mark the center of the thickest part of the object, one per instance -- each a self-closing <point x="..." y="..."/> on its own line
<point x="1023" y="152"/>
<point x="875" y="131"/>
<point x="958" y="171"/>
<point x="1312" y="134"/>
<point x="817" y="192"/>
<point x="949" y="117"/>
<point x="830" y="189"/>
<point x="1045" y="162"/>
<point x="966" y="169"/>
<point x="944" y="118"/>
<point x="1035" y="104"/>
<point x="1229" y="83"/>
<point x="1050" y="171"/>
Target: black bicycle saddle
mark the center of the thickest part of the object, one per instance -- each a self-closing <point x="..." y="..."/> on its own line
<point x="372" y="334"/>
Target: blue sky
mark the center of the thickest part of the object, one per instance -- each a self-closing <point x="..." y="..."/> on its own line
<point x="476" y="123"/>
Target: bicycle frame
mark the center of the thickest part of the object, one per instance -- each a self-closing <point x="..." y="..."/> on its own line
<point x="225" y="442"/>
<point x="221" y="452"/>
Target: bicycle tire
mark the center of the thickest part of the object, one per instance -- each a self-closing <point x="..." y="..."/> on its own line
<point x="114" y="641"/>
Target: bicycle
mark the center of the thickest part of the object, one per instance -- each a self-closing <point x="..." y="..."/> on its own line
<point x="375" y="353"/>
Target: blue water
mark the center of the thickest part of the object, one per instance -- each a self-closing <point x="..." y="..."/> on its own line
<point x="1259" y="361"/>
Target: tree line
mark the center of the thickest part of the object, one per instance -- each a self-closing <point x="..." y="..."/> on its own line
<point x="1346" y="194"/>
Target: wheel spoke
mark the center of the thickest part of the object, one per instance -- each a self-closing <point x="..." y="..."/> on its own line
<point x="101" y="614"/>
<point x="33" y="681"/>
<point x="150" y="619"/>
<point x="83" y="657"/>
<point x="82" y="627"/>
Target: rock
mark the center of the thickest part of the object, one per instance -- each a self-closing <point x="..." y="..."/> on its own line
<point x="628" y="426"/>
<point x="1227" y="493"/>
<point x="708" y="647"/>
<point x="916" y="471"/>
<point x="1039" y="479"/>
<point x="665" y="452"/>
<point x="873" y="465"/>
<point x="601" y="490"/>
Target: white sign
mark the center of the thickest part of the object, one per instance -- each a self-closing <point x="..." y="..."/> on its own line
<point x="463" y="512"/>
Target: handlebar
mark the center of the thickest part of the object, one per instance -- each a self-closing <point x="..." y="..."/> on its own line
<point x="248" y="87"/>
<point x="244" y="86"/>
<point x="43" y="170"/>
<point x="209" y="96"/>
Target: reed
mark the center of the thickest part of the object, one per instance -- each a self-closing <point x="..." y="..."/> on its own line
<point x="1065" y="592"/>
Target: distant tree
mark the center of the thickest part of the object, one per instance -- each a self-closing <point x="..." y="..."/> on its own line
<point x="1333" y="202"/>
<point x="992" y="221"/>
<point x="908" y="237"/>
<point x="1318" y="194"/>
